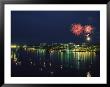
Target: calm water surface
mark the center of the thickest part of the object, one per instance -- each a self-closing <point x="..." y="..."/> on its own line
<point x="42" y="63"/>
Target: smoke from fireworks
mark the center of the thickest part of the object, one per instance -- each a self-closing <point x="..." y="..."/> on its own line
<point x="77" y="29"/>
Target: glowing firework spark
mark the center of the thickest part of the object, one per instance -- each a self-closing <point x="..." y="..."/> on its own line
<point x="88" y="38"/>
<point x="77" y="29"/>
<point x="88" y="29"/>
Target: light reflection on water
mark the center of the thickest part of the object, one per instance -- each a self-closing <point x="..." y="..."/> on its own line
<point x="57" y="63"/>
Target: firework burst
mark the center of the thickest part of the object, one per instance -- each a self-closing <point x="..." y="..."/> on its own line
<point x="77" y="29"/>
<point x="88" y="29"/>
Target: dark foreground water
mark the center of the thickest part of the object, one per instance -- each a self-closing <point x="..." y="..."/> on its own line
<point x="41" y="63"/>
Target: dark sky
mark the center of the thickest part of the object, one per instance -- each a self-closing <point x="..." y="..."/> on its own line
<point x="51" y="26"/>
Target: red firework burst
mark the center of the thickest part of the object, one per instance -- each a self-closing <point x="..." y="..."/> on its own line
<point x="88" y="29"/>
<point x="77" y="29"/>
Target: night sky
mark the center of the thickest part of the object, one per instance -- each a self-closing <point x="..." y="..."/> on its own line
<point x="52" y="26"/>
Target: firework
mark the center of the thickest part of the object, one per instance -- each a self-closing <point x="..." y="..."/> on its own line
<point x="88" y="29"/>
<point x="77" y="29"/>
<point x="88" y="38"/>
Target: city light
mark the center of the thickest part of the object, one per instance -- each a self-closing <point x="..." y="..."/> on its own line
<point x="54" y="57"/>
<point x="13" y="46"/>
